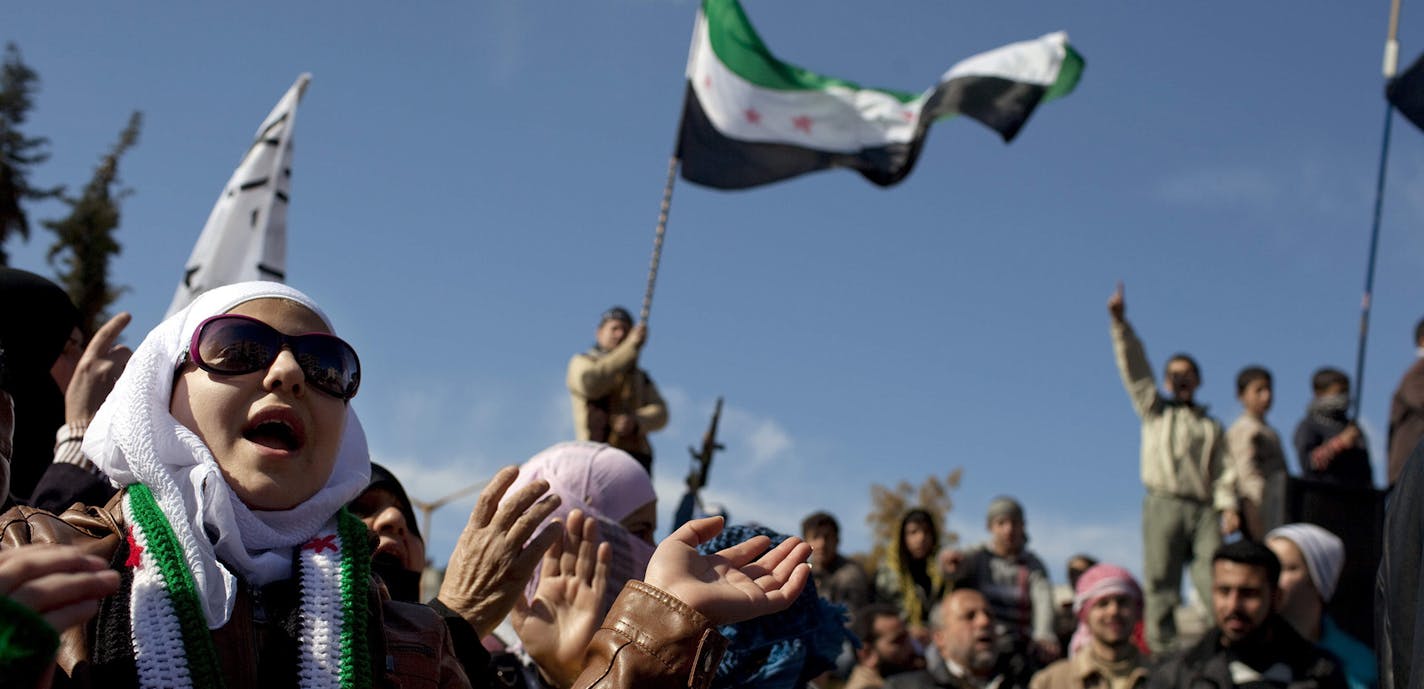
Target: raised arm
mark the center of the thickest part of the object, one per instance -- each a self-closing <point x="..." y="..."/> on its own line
<point x="1131" y="357"/>
<point x="491" y="563"/>
<point x="594" y="378"/>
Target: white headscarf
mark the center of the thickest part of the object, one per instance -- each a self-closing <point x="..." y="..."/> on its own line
<point x="1324" y="554"/>
<point x="134" y="439"/>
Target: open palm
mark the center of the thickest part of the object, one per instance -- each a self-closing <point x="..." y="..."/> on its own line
<point x="733" y="584"/>
<point x="558" y="624"/>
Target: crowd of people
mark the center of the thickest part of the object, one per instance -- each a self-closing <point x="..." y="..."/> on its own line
<point x="202" y="510"/>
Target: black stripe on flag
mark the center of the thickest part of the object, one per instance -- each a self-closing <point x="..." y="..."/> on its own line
<point x="714" y="159"/>
<point x="1003" y="105"/>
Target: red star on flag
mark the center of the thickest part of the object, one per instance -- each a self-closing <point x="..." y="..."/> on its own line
<point x="135" y="558"/>
<point x="803" y="123"/>
<point x="909" y="116"/>
<point x="707" y="82"/>
<point x="320" y="544"/>
<point x="753" y="116"/>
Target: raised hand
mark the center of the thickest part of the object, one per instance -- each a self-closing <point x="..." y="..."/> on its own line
<point x="1117" y="304"/>
<point x="950" y="559"/>
<point x="558" y="624"/>
<point x="59" y="582"/>
<point x="491" y="565"/>
<point x="734" y="584"/>
<point x="97" y="371"/>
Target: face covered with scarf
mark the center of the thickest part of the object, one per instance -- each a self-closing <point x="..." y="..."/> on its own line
<point x="244" y="467"/>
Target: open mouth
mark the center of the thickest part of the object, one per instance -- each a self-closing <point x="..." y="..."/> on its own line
<point x="277" y="429"/>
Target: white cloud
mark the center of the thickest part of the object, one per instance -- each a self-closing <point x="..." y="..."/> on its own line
<point x="1226" y="186"/>
<point x="768" y="441"/>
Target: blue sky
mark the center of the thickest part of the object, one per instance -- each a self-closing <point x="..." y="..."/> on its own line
<point x="475" y="182"/>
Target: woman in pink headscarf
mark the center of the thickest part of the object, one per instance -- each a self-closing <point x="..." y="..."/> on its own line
<point x="608" y="485"/>
<point x="600" y="480"/>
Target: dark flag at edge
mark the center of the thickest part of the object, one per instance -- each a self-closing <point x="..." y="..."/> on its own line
<point x="1406" y="92"/>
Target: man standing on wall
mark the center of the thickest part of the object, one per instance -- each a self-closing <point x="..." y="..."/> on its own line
<point x="614" y="401"/>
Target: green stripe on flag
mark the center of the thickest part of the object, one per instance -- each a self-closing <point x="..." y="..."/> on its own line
<point x="739" y="47"/>
<point x="1068" y="74"/>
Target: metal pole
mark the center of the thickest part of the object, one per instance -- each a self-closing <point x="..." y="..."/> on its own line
<point x="1391" y="63"/>
<point x="428" y="508"/>
<point x="658" y="239"/>
<point x="1370" y="269"/>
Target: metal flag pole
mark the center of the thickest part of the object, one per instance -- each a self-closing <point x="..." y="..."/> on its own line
<point x="1391" y="66"/>
<point x="658" y="239"/>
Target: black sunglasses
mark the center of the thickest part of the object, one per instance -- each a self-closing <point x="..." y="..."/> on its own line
<point x="231" y="344"/>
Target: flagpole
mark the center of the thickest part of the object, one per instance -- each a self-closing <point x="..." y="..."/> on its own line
<point x="1391" y="64"/>
<point x="658" y="239"/>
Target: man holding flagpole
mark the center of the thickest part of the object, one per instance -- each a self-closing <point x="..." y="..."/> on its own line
<point x="614" y="401"/>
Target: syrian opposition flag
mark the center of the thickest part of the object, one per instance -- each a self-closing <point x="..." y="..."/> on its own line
<point x="750" y="118"/>
<point x="245" y="237"/>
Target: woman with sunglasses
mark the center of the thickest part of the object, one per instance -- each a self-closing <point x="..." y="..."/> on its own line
<point x="231" y="437"/>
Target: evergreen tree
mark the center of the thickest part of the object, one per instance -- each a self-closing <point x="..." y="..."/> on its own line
<point x="18" y="84"/>
<point x="84" y="241"/>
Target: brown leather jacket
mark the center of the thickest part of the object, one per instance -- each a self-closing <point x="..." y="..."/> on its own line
<point x="416" y="653"/>
<point x="651" y="640"/>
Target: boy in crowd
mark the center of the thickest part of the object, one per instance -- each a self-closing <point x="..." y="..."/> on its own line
<point x="1328" y="444"/>
<point x="1256" y="454"/>
<point x="838" y="579"/>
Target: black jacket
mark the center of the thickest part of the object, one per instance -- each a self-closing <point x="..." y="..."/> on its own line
<point x="1397" y="619"/>
<point x="1207" y="665"/>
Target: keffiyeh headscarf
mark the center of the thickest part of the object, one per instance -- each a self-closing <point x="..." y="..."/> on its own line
<point x="1097" y="582"/>
<point x="1324" y="554"/>
<point x="607" y="484"/>
<point x="785" y="649"/>
<point x="134" y="439"/>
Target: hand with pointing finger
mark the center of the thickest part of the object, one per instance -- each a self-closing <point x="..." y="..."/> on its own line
<point x="97" y="371"/>
<point x="1117" y="305"/>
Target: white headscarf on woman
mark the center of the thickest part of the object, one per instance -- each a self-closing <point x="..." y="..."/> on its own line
<point x="1324" y="554"/>
<point x="135" y="439"/>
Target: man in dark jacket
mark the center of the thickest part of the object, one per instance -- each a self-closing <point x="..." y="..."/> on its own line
<point x="1250" y="646"/>
<point x="1406" y="411"/>
<point x="1399" y="628"/>
<point x="969" y="647"/>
